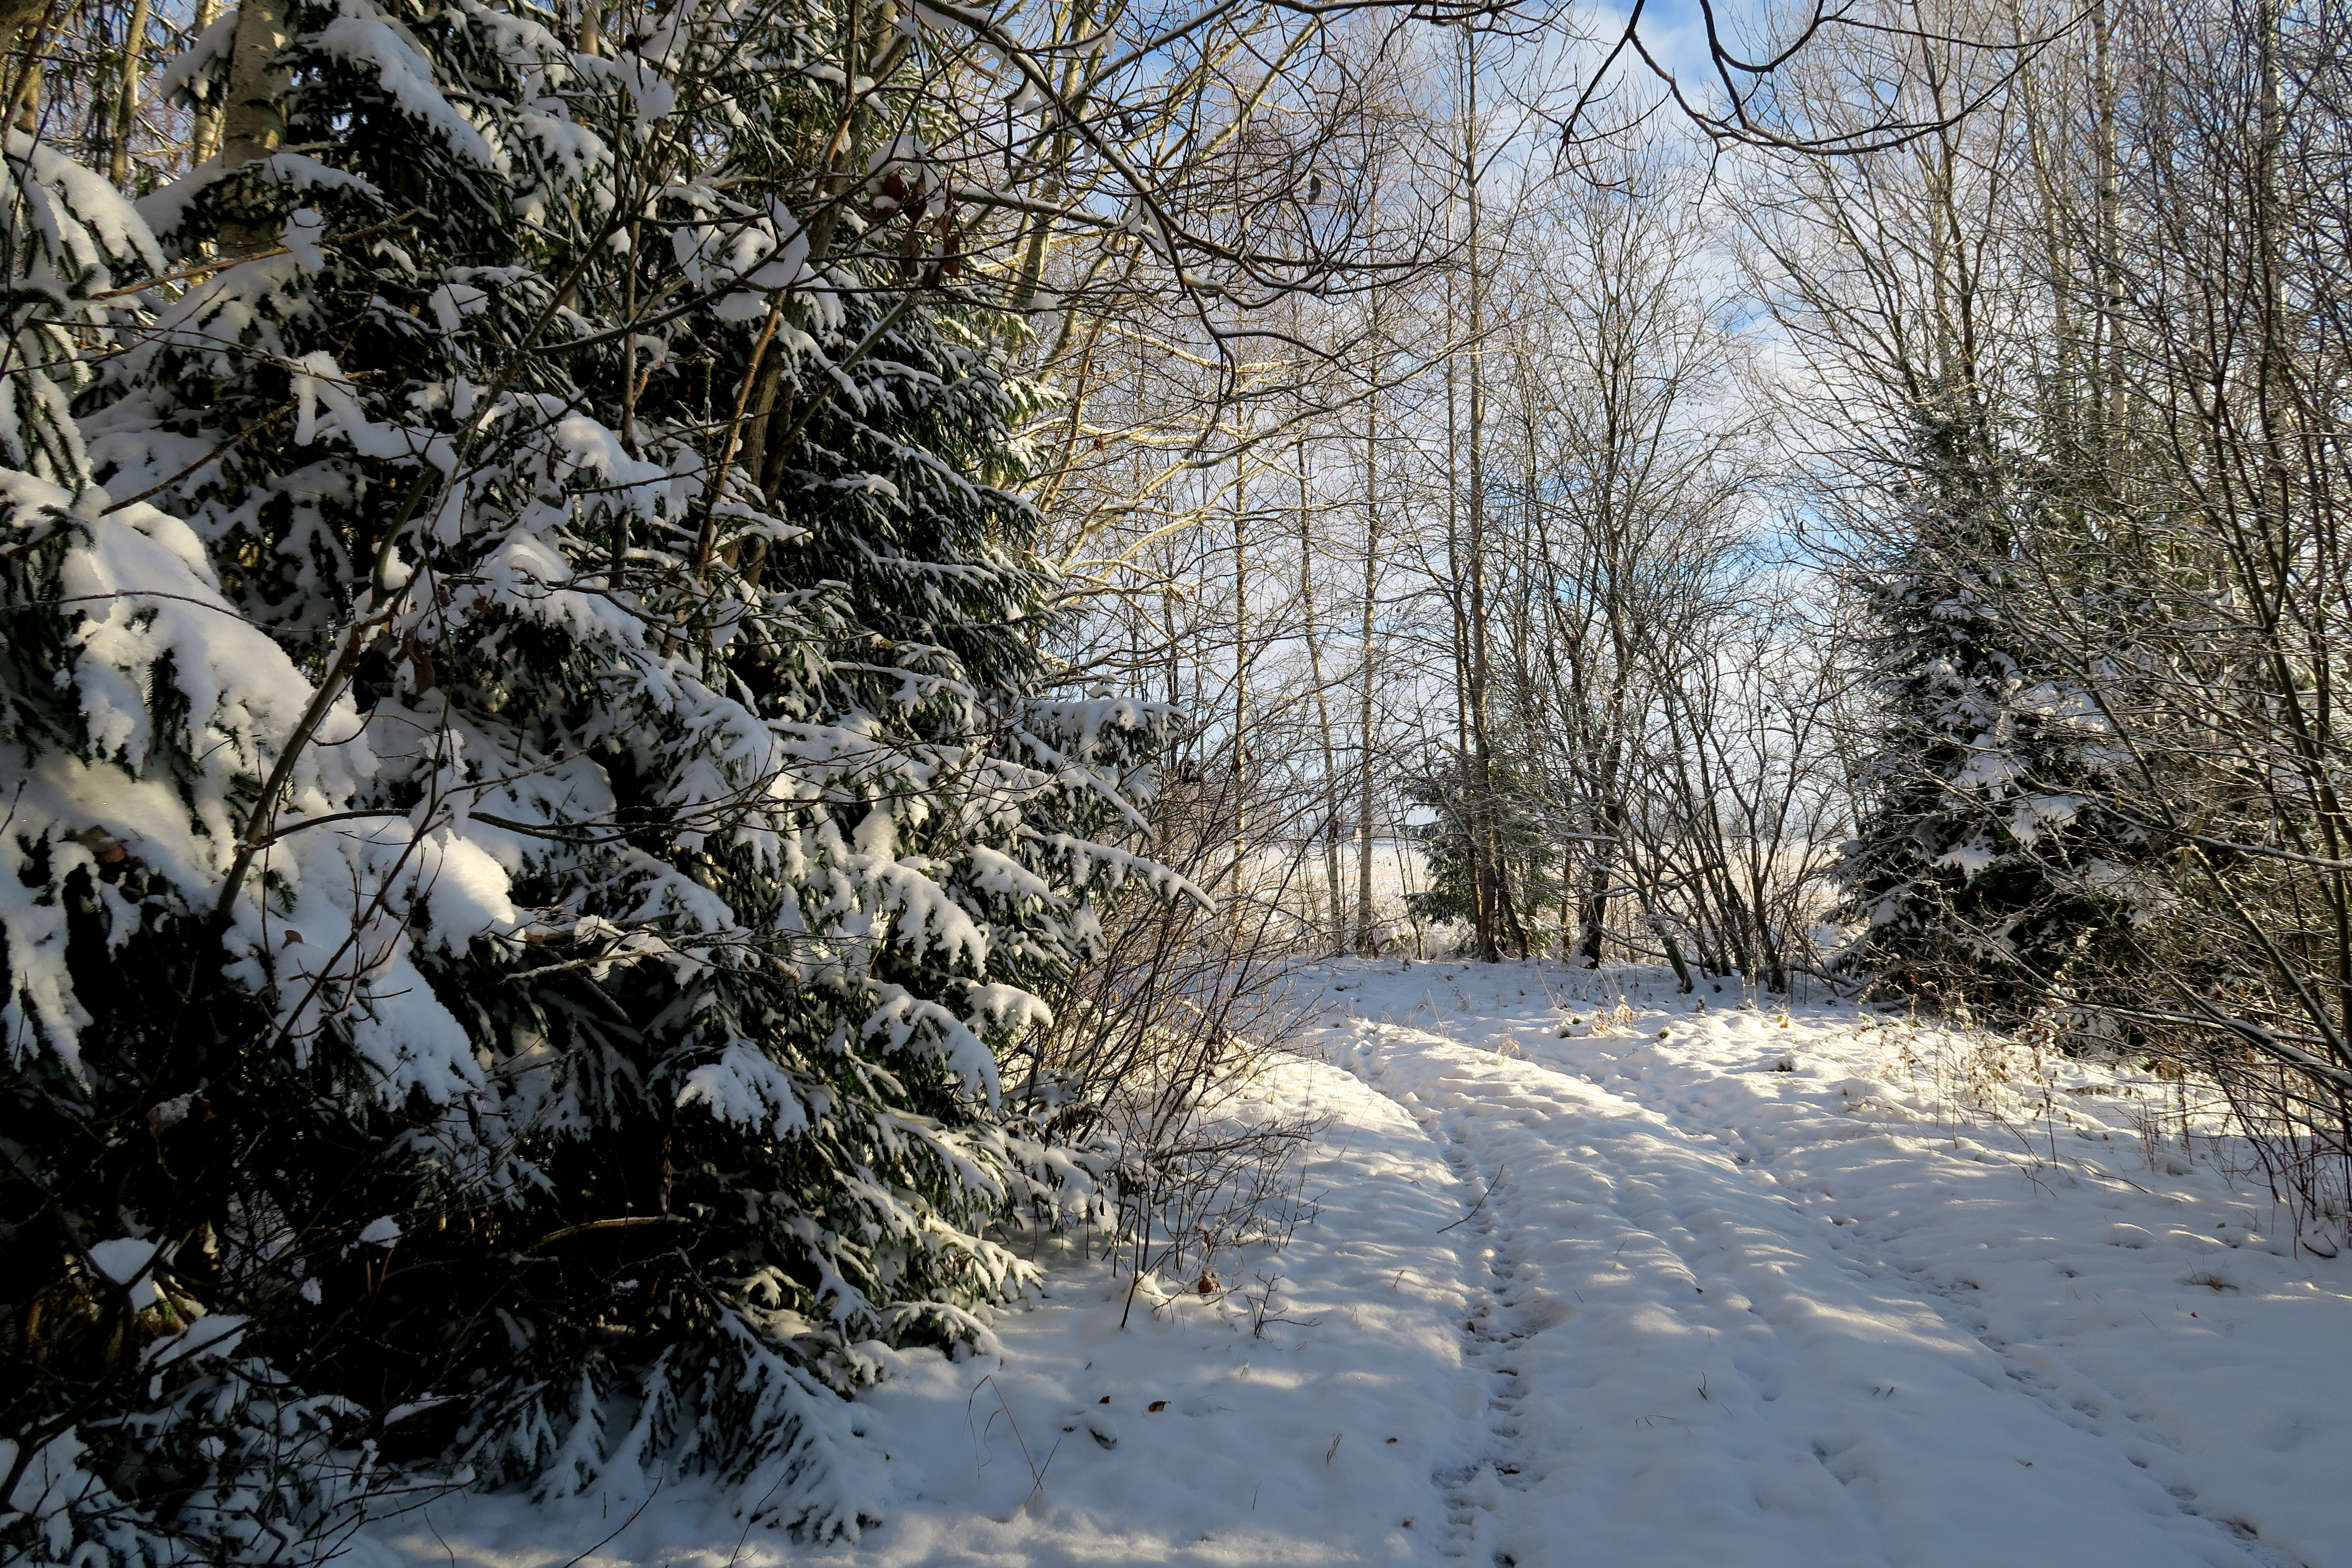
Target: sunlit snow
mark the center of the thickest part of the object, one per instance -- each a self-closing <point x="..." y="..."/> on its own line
<point x="1591" y="1273"/>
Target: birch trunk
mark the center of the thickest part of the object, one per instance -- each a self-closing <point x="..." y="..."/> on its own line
<point x="253" y="120"/>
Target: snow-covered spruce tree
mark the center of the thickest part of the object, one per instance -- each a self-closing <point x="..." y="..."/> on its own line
<point x="1982" y="867"/>
<point x="135" y="706"/>
<point x="536" y="825"/>
<point x="1527" y="855"/>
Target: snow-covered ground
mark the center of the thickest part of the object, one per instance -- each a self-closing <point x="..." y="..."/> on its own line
<point x="1601" y="1276"/>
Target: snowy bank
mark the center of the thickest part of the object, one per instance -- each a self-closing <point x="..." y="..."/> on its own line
<point x="1207" y="1431"/>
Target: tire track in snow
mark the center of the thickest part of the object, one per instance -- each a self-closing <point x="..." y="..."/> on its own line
<point x="1474" y="1493"/>
<point x="1470" y="1489"/>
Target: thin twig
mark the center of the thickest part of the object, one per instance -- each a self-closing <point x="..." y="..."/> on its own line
<point x="185" y="273"/>
<point x="218" y="453"/>
<point x="1492" y="1187"/>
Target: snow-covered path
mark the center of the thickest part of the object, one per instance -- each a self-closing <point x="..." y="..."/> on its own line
<point x="1614" y="1279"/>
<point x="1745" y="1304"/>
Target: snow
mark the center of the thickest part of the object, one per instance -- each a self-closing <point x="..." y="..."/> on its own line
<point x="216" y="1336"/>
<point x="406" y="77"/>
<point x="1802" y="1318"/>
<point x="129" y="1262"/>
<point x="745" y="1088"/>
<point x="1220" y="1437"/>
<point x="1588" y="1272"/>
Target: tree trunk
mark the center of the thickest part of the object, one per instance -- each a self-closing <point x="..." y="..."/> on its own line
<point x="1241" y="680"/>
<point x="1335" y="894"/>
<point x="1365" y="943"/>
<point x="1485" y="870"/>
<point x="253" y="121"/>
<point x="126" y="108"/>
<point x="205" y="132"/>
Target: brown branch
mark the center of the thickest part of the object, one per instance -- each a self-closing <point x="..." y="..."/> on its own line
<point x="629" y="1221"/>
<point x="222" y="450"/>
<point x="185" y="273"/>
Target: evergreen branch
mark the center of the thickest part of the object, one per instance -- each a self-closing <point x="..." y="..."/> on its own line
<point x="223" y="449"/>
<point x="202" y="268"/>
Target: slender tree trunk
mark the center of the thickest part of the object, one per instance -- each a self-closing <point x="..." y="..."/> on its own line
<point x="28" y="86"/>
<point x="204" y="134"/>
<point x="253" y="120"/>
<point x="1334" y="891"/>
<point x="1454" y="603"/>
<point x="1367" y="633"/>
<point x="1683" y="981"/>
<point x="1602" y="873"/>
<point x="126" y="106"/>
<point x="1485" y="858"/>
<point x="2107" y="239"/>
<point x="1241" y="679"/>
